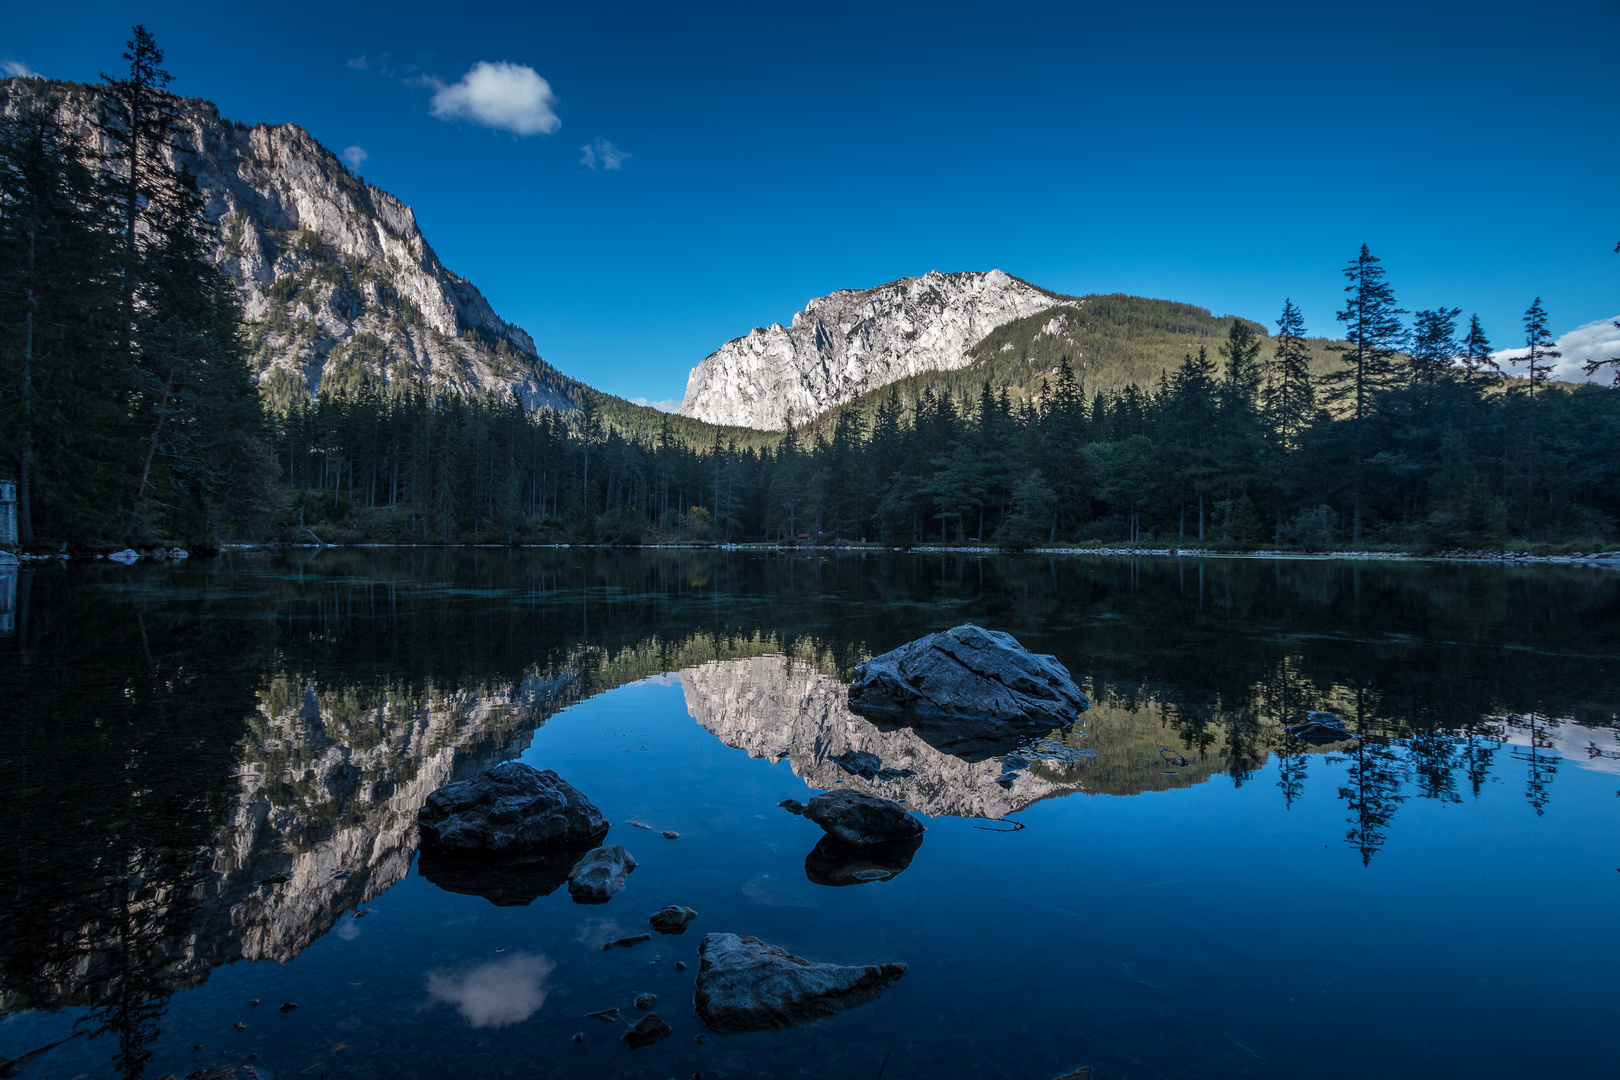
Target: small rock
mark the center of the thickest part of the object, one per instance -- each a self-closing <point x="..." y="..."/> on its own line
<point x="680" y="965"/>
<point x="362" y="913"/>
<point x="669" y="834"/>
<point x="672" y="919"/>
<point x="600" y="874"/>
<point x="792" y="806"/>
<point x="746" y="985"/>
<point x="579" y="1036"/>
<point x="639" y="825"/>
<point x="701" y="1039"/>
<point x="1082" y="1073"/>
<point x="645" y="1002"/>
<point x="1321" y="728"/>
<point x="239" y="1026"/>
<point x="626" y="942"/>
<point x="607" y="1015"/>
<point x="858" y="818"/>
<point x="287" y="1007"/>
<point x="648" y="1030"/>
<point x="253" y="1001"/>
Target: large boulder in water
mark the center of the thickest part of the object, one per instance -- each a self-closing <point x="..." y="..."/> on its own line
<point x="971" y="673"/>
<point x="511" y="807"/>
<point x="858" y="818"/>
<point x="744" y="984"/>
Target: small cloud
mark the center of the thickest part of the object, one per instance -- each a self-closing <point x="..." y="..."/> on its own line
<point x="1598" y="340"/>
<point x="671" y="405"/>
<point x="496" y="994"/>
<point x="354" y="157"/>
<point x="360" y="63"/>
<point x="16" y="69"/>
<point x="603" y="153"/>
<point x="507" y="97"/>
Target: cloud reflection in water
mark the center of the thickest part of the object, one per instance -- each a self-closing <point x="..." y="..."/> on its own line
<point x="496" y="994"/>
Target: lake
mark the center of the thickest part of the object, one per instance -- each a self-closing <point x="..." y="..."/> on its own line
<point x="211" y="771"/>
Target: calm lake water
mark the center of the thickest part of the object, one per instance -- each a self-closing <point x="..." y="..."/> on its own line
<point x="211" y="770"/>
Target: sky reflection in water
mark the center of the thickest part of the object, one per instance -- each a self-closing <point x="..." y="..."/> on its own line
<point x="182" y="736"/>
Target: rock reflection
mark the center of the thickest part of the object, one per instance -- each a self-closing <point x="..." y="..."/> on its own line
<point x="495" y="994"/>
<point x="506" y="881"/>
<point x="835" y="863"/>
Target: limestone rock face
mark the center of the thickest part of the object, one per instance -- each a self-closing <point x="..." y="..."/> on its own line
<point x="969" y="673"/>
<point x="512" y="807"/>
<point x="855" y="340"/>
<point x="337" y="282"/>
<point x="744" y="984"/>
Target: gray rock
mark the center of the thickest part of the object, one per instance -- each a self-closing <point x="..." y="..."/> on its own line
<point x="970" y="673"/>
<point x="1321" y="728"/>
<point x="792" y="806"/>
<point x="600" y="874"/>
<point x="646" y="1002"/>
<point x="648" y="1030"/>
<point x="511" y="807"/>
<point x="744" y="984"/>
<point x="672" y="919"/>
<point x="857" y="818"/>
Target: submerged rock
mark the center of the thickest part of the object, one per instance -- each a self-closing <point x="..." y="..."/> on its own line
<point x="672" y="919"/>
<point x="970" y="673"/>
<point x="743" y="984"/>
<point x="511" y="807"/>
<point x="792" y="806"/>
<point x="867" y="766"/>
<point x="600" y="874"/>
<point x="646" y="1002"/>
<point x="857" y="818"/>
<point x="510" y="880"/>
<point x="1320" y="728"/>
<point x="648" y="1030"/>
<point x="835" y="863"/>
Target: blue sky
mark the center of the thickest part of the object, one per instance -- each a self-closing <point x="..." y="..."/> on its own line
<point x="1228" y="155"/>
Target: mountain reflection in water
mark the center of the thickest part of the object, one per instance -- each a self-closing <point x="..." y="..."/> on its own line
<point x="218" y="762"/>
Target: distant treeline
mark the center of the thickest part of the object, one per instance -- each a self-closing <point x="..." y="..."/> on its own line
<point x="129" y="414"/>
<point x="1415" y="440"/>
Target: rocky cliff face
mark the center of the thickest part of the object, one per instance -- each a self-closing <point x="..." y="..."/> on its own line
<point x="338" y="285"/>
<point x="855" y="340"/>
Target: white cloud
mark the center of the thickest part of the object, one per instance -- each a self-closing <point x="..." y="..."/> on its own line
<point x="359" y="63"/>
<point x="16" y="69"/>
<point x="507" y="97"/>
<point x="502" y="992"/>
<point x="603" y="153"/>
<point x="671" y="405"/>
<point x="1593" y="341"/>
<point x="354" y="157"/>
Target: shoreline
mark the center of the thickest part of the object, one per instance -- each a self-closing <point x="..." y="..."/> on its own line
<point x="1608" y="559"/>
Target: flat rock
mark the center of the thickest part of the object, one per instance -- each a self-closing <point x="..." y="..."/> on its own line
<point x="512" y="807"/>
<point x="600" y="874"/>
<point x="743" y="984"/>
<point x="648" y="1030"/>
<point x="857" y="818"/>
<point x="672" y="919"/>
<point x="969" y="673"/>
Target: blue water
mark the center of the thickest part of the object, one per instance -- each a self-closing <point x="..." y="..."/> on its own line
<point x="1213" y="927"/>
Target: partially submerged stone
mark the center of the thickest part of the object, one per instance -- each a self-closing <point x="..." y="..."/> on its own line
<point x="600" y="874"/>
<point x="743" y="984"/>
<point x="857" y="818"/>
<point x="672" y="919"/>
<point x="1321" y="728"/>
<point x="971" y="673"/>
<point x="648" y="1030"/>
<point x="834" y="863"/>
<point x="512" y="807"/>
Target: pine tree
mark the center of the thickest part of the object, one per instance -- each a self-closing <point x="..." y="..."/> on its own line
<point x="1539" y="346"/>
<point x="1374" y="335"/>
<point x="1289" y="398"/>
<point x="1434" y="347"/>
<point x="1476" y="355"/>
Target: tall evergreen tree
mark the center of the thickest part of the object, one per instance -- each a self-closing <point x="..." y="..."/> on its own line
<point x="1289" y="398"/>
<point x="1373" y="336"/>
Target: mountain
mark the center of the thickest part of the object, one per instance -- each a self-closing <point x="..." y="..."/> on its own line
<point x="338" y="285"/>
<point x="853" y="341"/>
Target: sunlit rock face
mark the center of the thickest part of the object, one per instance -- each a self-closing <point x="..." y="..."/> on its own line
<point x="855" y="340"/>
<point x="776" y="708"/>
<point x="338" y="284"/>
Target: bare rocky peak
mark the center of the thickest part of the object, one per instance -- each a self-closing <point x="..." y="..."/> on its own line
<point x="338" y="285"/>
<point x="855" y="340"/>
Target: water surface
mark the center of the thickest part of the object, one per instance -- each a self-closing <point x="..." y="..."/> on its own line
<point x="210" y="773"/>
